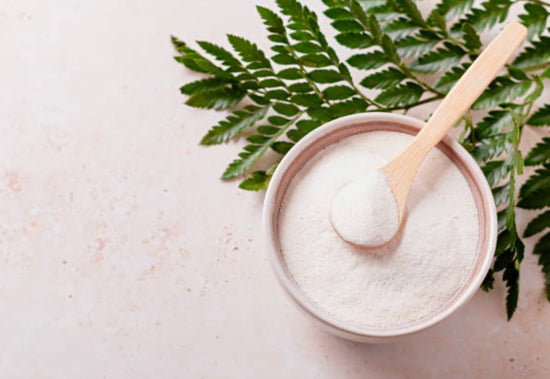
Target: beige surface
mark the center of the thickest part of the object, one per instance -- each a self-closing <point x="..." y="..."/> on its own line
<point x="121" y="253"/>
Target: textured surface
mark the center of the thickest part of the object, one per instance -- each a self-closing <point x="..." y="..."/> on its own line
<point x="121" y="253"/>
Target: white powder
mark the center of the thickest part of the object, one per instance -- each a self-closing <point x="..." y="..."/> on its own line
<point x="406" y="280"/>
<point x="364" y="212"/>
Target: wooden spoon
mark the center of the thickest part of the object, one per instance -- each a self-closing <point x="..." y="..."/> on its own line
<point x="400" y="172"/>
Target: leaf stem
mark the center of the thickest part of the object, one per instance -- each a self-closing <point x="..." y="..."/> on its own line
<point x="445" y="34"/>
<point x="304" y="72"/>
<point x="419" y="81"/>
<point x="428" y="100"/>
<point x="364" y="97"/>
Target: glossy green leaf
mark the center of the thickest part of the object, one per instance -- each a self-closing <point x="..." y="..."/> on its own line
<point x="355" y="40"/>
<point x="325" y="76"/>
<point x="338" y="92"/>
<point x="384" y="79"/>
<point x="369" y="61"/>
<point x="542" y="249"/>
<point x="539" y="154"/>
<point x="402" y="95"/>
<point x="541" y="117"/>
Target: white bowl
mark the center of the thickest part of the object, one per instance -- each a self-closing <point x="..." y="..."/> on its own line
<point x="360" y="123"/>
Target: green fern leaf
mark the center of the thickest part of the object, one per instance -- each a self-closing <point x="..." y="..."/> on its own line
<point x="414" y="46"/>
<point x="195" y="61"/>
<point x="277" y="94"/>
<point x="488" y="281"/>
<point x="494" y="123"/>
<point x="541" y="117"/>
<point x="453" y="8"/>
<point x="292" y="8"/>
<point x="205" y="85"/>
<point x="315" y="60"/>
<point x="539" y="154"/>
<point x="358" y="12"/>
<point x="355" y="40"/>
<point x="249" y="51"/>
<point x="218" y="99"/>
<point x="400" y="28"/>
<point x="234" y="124"/>
<point x="222" y="55"/>
<point x="440" y="59"/>
<point x="384" y="12"/>
<point x="535" y="192"/>
<point x="538" y="224"/>
<point x="272" y="21"/>
<point x="340" y="92"/>
<point x="488" y="15"/>
<point x="534" y="19"/>
<point x="502" y="89"/>
<point x="537" y="200"/>
<point x="471" y="38"/>
<point x="371" y="5"/>
<point x="282" y="147"/>
<point x="302" y="36"/>
<point x="300" y="87"/>
<point x="390" y="50"/>
<point x="338" y="13"/>
<point x="252" y="153"/>
<point x="306" y="100"/>
<point x="258" y="180"/>
<point x="306" y="126"/>
<point x="401" y="95"/>
<point x="537" y="53"/>
<point x="542" y="249"/>
<point x="409" y="8"/>
<point x="336" y="110"/>
<point x="286" y="109"/>
<point x="495" y="171"/>
<point x="375" y="29"/>
<point x="511" y="278"/>
<point x="307" y="47"/>
<point x="501" y="194"/>
<point x="449" y="79"/>
<point x="369" y="61"/>
<point x="384" y="79"/>
<point x="493" y="147"/>
<point x="504" y="259"/>
<point x="436" y="20"/>
<point x="347" y="26"/>
<point x="540" y="180"/>
<point x="325" y="76"/>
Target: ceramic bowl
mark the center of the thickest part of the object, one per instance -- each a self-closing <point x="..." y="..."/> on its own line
<point x="361" y="123"/>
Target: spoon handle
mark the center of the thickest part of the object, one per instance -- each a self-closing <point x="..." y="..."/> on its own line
<point x="474" y="81"/>
<point x="483" y="70"/>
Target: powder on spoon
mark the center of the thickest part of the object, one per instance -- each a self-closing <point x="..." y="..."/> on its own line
<point x="406" y="280"/>
<point x="364" y="212"/>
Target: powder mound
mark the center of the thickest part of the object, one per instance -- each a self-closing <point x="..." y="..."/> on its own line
<point x="364" y="212"/>
<point x="399" y="283"/>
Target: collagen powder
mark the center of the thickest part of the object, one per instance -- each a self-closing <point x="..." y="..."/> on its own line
<point x="364" y="211"/>
<point x="409" y="278"/>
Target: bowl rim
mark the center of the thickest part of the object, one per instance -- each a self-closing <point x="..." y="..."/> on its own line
<point x="342" y="328"/>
